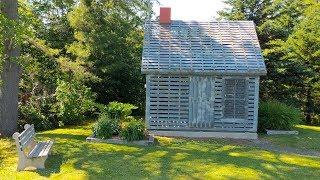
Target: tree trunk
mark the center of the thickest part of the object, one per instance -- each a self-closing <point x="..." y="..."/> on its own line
<point x="309" y="106"/>
<point x="10" y="76"/>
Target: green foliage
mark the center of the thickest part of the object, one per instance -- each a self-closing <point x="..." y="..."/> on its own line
<point x="255" y="11"/>
<point x="288" y="32"/>
<point x="37" y="110"/>
<point x="33" y="115"/>
<point x="133" y="130"/>
<point x="127" y="119"/>
<point x="73" y="101"/>
<point x="316" y="120"/>
<point x="115" y="117"/>
<point x="3" y="23"/>
<point x="15" y="30"/>
<point x="67" y="46"/>
<point x="119" y="110"/>
<point x="106" y="127"/>
<point x="108" y="39"/>
<point x="274" y="115"/>
<point x="302" y="48"/>
<point x="40" y="71"/>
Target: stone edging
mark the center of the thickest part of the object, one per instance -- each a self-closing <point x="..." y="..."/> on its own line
<point x="280" y="132"/>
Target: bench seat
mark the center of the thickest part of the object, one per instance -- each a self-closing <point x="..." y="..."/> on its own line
<point x="41" y="149"/>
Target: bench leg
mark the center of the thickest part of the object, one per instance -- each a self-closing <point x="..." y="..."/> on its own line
<point x="21" y="164"/>
<point x="38" y="162"/>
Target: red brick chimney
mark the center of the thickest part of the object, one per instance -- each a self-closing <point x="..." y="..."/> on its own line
<point x="165" y="15"/>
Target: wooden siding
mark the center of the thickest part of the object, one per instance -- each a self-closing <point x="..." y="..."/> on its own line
<point x="197" y="103"/>
<point x="168" y="102"/>
<point x="205" y="101"/>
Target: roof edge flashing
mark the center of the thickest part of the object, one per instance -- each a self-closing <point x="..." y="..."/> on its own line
<point x="211" y="73"/>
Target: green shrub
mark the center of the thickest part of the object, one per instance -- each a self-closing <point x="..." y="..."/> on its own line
<point x="32" y="115"/>
<point x="106" y="127"/>
<point x="128" y="119"/>
<point x="119" y="110"/>
<point x="277" y="116"/>
<point x="73" y="101"/>
<point x="37" y="110"/>
<point x="316" y="120"/>
<point x="133" y="130"/>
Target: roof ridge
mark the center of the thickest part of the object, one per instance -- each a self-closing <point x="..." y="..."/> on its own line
<point x="213" y="21"/>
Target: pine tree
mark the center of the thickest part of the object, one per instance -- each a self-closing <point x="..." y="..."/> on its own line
<point x="302" y="49"/>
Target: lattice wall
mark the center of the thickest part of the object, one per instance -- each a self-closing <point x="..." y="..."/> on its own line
<point x="235" y="98"/>
<point x="198" y="103"/>
<point x="206" y="95"/>
<point x="167" y="102"/>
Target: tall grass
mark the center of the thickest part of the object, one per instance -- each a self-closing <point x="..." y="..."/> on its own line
<point x="277" y="116"/>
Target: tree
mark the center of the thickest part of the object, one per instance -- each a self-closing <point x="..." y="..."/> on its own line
<point x="276" y="21"/>
<point x="302" y="49"/>
<point x="39" y="59"/>
<point x="108" y="42"/>
<point x="280" y="84"/>
<point x="257" y="11"/>
<point x="10" y="74"/>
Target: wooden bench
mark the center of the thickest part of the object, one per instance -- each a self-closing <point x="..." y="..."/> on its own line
<point x="31" y="153"/>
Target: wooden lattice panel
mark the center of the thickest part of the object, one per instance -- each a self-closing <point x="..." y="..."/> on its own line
<point x="235" y="98"/>
<point x="199" y="103"/>
<point x="245" y="100"/>
<point x="253" y="100"/>
<point x="168" y="102"/>
<point x="202" y="48"/>
<point x="208" y="106"/>
<point x="205" y="101"/>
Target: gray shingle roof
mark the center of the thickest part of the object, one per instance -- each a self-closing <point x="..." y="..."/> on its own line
<point x="220" y="47"/>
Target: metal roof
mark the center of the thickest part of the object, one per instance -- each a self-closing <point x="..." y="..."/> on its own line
<point x="219" y="47"/>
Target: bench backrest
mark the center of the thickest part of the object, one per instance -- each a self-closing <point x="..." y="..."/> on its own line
<point x="25" y="138"/>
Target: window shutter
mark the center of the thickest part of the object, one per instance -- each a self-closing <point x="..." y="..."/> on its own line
<point x="235" y="95"/>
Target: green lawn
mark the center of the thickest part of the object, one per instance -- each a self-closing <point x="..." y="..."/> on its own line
<point x="73" y="158"/>
<point x="308" y="138"/>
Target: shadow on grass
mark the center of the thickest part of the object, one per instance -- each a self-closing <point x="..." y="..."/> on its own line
<point x="62" y="144"/>
<point x="177" y="158"/>
<point x="186" y="160"/>
<point x="52" y="164"/>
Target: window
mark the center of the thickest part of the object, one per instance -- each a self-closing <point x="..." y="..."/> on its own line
<point x="235" y="94"/>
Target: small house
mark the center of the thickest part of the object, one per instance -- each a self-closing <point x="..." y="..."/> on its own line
<point x="202" y="78"/>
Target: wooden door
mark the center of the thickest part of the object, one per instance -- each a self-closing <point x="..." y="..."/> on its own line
<point x="202" y="100"/>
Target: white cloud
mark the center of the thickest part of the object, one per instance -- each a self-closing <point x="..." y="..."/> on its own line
<point x="199" y="10"/>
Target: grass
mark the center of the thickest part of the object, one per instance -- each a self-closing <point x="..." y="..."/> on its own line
<point x="73" y="158"/>
<point x="308" y="138"/>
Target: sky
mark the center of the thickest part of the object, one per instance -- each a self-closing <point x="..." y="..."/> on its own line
<point x="200" y="10"/>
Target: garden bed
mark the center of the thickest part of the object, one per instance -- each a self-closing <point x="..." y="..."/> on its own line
<point x="117" y="140"/>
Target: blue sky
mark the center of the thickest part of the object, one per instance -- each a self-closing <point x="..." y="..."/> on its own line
<point x="200" y="10"/>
